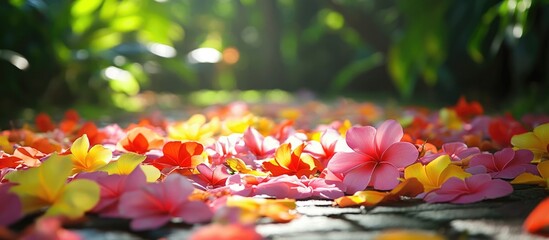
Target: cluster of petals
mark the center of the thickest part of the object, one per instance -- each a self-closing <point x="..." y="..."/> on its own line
<point x="193" y="171"/>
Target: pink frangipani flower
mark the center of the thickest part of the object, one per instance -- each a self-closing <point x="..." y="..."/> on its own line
<point x="330" y="143"/>
<point x="325" y="189"/>
<point x="112" y="187"/>
<point x="457" y="151"/>
<point x="243" y="184"/>
<point x="283" y="186"/>
<point x="223" y="148"/>
<point x="472" y="189"/>
<point x="377" y="157"/>
<point x="261" y="147"/>
<point x="155" y="204"/>
<point x="210" y="177"/>
<point x="506" y="164"/>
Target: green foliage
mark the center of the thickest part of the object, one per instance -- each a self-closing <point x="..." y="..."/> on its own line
<point x="105" y="52"/>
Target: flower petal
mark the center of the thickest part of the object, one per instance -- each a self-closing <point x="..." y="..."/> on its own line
<point x="80" y="146"/>
<point x="542" y="132"/>
<point x="504" y="158"/>
<point x="362" y="139"/>
<point x="528" y="178"/>
<point x="78" y="197"/>
<point x="359" y="178"/>
<point x="538" y="218"/>
<point x="484" y="159"/>
<point x="194" y="212"/>
<point x="400" y="154"/>
<point x="497" y="188"/>
<point x="528" y="141"/>
<point x="388" y="132"/>
<point x="176" y="189"/>
<point x="543" y="168"/>
<point x="385" y="177"/>
<point x="344" y="162"/>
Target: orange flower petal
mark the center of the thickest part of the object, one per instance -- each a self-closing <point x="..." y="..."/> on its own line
<point x="538" y="218"/>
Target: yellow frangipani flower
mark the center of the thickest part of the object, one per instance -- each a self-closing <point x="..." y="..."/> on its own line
<point x="46" y="186"/>
<point x="88" y="161"/>
<point x="195" y="129"/>
<point x="536" y="141"/>
<point x="435" y="173"/>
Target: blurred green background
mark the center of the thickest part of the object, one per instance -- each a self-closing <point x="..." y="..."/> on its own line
<point x="118" y="54"/>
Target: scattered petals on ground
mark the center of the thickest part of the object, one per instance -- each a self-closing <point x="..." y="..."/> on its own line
<point x="236" y="168"/>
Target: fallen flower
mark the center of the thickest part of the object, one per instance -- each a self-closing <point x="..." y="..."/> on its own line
<point x="469" y="190"/>
<point x="88" y="161"/>
<point x="140" y="140"/>
<point x="506" y="164"/>
<point x="261" y="147"/>
<point x="95" y="136"/>
<point x="194" y="129"/>
<point x="536" y="141"/>
<point x="112" y="187"/>
<point x="330" y="143"/>
<point x="155" y="204"/>
<point x="209" y="178"/>
<point x="292" y="162"/>
<point x="180" y="156"/>
<point x="377" y="157"/>
<point x="45" y="186"/>
<point x="502" y="129"/>
<point x="457" y="151"/>
<point x="435" y="173"/>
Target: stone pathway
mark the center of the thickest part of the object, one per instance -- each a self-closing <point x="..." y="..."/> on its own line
<point x="492" y="219"/>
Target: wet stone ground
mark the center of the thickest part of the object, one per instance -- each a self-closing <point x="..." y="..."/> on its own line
<point x="491" y="219"/>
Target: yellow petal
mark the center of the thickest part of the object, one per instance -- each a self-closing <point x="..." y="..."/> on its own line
<point x="543" y="168"/>
<point x="528" y="178"/>
<point x="365" y="198"/>
<point x="417" y="170"/>
<point x="79" y="148"/>
<point x="528" y="141"/>
<point x="238" y="165"/>
<point x="151" y="173"/>
<point x="452" y="171"/>
<point x="542" y="132"/>
<point x="283" y="155"/>
<point x="435" y="168"/>
<point x="78" y="197"/>
<point x="97" y="157"/>
<point x="39" y="187"/>
<point x="125" y="164"/>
